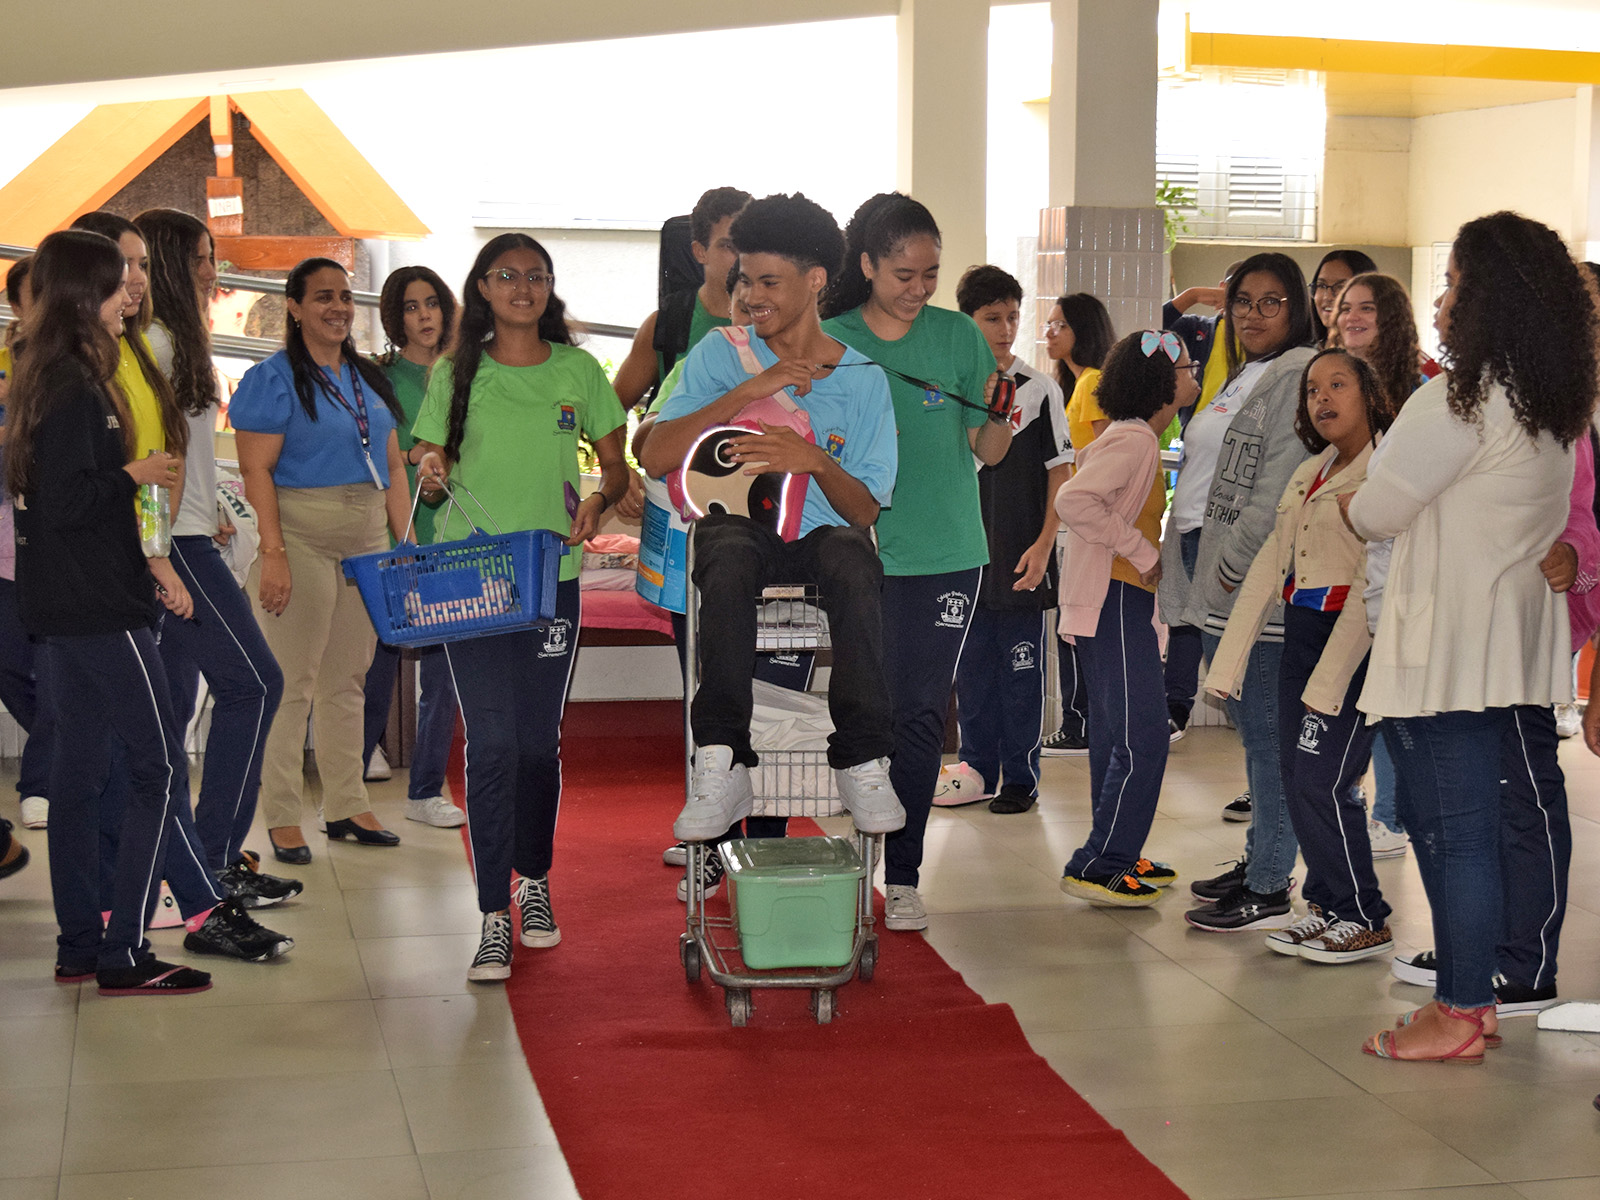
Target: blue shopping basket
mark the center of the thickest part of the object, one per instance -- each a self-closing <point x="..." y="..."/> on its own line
<point x="482" y="584"/>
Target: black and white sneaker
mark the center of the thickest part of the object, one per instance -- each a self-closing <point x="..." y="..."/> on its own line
<point x="1061" y="743"/>
<point x="1514" y="1000"/>
<point x="711" y="872"/>
<point x="1421" y="968"/>
<point x="1238" y="809"/>
<point x="676" y="855"/>
<point x="492" y="962"/>
<point x="1243" y="909"/>
<point x="1214" y="889"/>
<point x="532" y="897"/>
<point x="254" y="890"/>
<point x="233" y="933"/>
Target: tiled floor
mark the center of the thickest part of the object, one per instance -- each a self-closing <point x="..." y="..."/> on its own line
<point x="362" y="1065"/>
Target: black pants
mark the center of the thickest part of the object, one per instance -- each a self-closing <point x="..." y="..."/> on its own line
<point x="734" y="559"/>
<point x="925" y="620"/>
<point x="1323" y="757"/>
<point x="1535" y="847"/>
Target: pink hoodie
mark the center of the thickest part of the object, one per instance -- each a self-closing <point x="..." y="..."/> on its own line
<point x="1098" y="507"/>
<point x="1583" y="598"/>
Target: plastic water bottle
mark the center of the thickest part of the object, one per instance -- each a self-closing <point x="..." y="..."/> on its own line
<point x="155" y="521"/>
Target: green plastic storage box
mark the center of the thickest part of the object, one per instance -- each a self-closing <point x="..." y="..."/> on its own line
<point x="793" y="899"/>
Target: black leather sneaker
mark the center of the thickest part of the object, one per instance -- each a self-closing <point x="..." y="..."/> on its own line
<point x="234" y="933"/>
<point x="1514" y="1000"/>
<point x="1214" y="889"/>
<point x="252" y="889"/>
<point x="1243" y="909"/>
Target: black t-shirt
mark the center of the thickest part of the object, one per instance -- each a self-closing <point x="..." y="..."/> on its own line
<point x="1013" y="492"/>
<point x="80" y="570"/>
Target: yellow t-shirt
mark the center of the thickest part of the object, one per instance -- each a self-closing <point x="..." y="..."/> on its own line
<point x="141" y="399"/>
<point x="1083" y="410"/>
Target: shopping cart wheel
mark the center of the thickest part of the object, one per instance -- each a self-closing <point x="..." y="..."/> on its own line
<point x="869" y="960"/>
<point x="738" y="1002"/>
<point x="689" y="951"/>
<point x="822" y="1005"/>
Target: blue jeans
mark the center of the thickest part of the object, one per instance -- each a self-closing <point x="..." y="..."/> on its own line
<point x="1450" y="803"/>
<point x="1270" y="845"/>
<point x="925" y="620"/>
<point x="1184" y="645"/>
<point x="223" y="642"/>
<point x="1000" y="693"/>
<point x="513" y="689"/>
<point x="1128" y="738"/>
<point x="1384" y="783"/>
<point x="436" y="725"/>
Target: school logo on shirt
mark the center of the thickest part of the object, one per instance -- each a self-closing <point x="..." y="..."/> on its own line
<point x="932" y="397"/>
<point x="835" y="446"/>
<point x="1022" y="657"/>
<point x="556" y="641"/>
<point x="953" y="611"/>
<point x="567" y="420"/>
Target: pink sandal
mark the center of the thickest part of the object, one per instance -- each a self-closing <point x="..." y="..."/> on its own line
<point x="1383" y="1045"/>
<point x="1491" y="1041"/>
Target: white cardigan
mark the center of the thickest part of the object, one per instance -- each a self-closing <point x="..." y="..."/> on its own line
<point x="1468" y="621"/>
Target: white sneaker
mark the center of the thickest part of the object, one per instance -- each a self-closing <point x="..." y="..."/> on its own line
<point x="436" y="811"/>
<point x="493" y="959"/>
<point x="35" y="812"/>
<point x="902" y="908"/>
<point x="1569" y="720"/>
<point x="378" y="768"/>
<point x="866" y="791"/>
<point x="1386" y="842"/>
<point x="719" y="795"/>
<point x="1287" y="941"/>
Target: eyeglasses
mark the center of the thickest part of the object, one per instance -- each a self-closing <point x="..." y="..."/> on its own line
<point x="1196" y="370"/>
<point x="1322" y="285"/>
<point x="1267" y="306"/>
<point x="1051" y="328"/>
<point x="537" y="280"/>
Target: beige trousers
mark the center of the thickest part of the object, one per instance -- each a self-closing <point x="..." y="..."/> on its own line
<point x="323" y="643"/>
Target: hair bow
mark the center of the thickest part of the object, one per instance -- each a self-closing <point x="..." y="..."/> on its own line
<point x="1150" y="341"/>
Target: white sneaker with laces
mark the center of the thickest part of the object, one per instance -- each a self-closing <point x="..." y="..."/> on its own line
<point x="866" y="791"/>
<point x="719" y="795"/>
<point x="493" y="959"/>
<point x="35" y="812"/>
<point x="676" y="855"/>
<point x="378" y="768"/>
<point x="902" y="908"/>
<point x="435" y="811"/>
<point x="1386" y="842"/>
<point x="1287" y="941"/>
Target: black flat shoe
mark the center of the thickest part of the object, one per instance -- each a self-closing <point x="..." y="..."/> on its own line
<point x="367" y="837"/>
<point x="295" y="856"/>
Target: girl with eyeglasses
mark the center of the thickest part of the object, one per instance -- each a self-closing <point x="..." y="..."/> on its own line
<point x="315" y="426"/>
<point x="931" y="539"/>
<point x="1077" y="338"/>
<point x="502" y="416"/>
<point x="1239" y="452"/>
<point x="1474" y="484"/>
<point x="1312" y="564"/>
<point x="1111" y="513"/>
<point x="1336" y="267"/>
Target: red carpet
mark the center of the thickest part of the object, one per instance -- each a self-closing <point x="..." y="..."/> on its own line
<point x="917" y="1088"/>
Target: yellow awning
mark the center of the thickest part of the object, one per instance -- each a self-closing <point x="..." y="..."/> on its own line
<point x="327" y="167"/>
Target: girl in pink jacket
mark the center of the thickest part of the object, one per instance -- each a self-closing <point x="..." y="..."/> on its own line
<point x="1111" y="513"/>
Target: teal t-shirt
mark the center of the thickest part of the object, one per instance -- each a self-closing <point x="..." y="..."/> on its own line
<point x="520" y="443"/>
<point x="936" y="522"/>
<point x="410" y="382"/>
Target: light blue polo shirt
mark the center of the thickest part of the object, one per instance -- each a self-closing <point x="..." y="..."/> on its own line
<point x="852" y="415"/>
<point x="321" y="453"/>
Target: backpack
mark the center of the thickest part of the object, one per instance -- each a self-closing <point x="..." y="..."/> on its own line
<point x="678" y="278"/>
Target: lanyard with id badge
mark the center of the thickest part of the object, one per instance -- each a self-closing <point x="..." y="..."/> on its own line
<point x="359" y="412"/>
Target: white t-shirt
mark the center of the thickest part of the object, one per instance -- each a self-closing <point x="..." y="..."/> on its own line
<point x="197" y="514"/>
<point x="1202" y="444"/>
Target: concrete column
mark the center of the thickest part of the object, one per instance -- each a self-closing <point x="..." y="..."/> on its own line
<point x="1102" y="232"/>
<point x="1586" y="175"/>
<point x="943" y="125"/>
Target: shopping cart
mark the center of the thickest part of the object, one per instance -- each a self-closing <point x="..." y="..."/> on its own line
<point x="788" y="783"/>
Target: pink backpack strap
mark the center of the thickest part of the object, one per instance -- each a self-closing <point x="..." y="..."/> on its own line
<point x="739" y="337"/>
